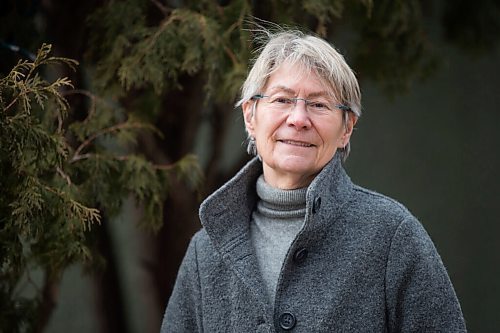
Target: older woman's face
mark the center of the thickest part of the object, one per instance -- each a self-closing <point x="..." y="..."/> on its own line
<point x="295" y="145"/>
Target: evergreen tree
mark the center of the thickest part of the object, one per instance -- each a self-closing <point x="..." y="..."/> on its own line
<point x="58" y="180"/>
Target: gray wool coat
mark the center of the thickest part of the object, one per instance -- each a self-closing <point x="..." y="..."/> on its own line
<point x="361" y="263"/>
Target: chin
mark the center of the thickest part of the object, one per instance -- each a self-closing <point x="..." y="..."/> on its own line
<point x="298" y="166"/>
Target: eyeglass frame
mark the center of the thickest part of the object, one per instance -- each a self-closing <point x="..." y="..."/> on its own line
<point x="307" y="102"/>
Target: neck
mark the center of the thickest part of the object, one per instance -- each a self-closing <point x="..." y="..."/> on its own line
<point x="282" y="204"/>
<point x="286" y="181"/>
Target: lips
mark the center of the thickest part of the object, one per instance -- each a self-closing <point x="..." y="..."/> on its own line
<point x="297" y="143"/>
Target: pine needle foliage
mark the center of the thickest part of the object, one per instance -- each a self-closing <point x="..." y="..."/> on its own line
<point x="59" y="178"/>
<point x="138" y="50"/>
<point x="200" y="37"/>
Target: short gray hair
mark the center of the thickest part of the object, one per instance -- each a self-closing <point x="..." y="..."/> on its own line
<point x="312" y="54"/>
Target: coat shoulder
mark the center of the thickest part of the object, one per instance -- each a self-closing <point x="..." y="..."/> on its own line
<point x="201" y="241"/>
<point x="206" y="254"/>
<point x="375" y="206"/>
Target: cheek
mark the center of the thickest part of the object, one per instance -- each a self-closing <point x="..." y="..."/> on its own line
<point x="262" y="137"/>
<point x="265" y="129"/>
<point x="331" y="135"/>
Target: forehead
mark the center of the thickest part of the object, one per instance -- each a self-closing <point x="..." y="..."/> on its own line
<point x="296" y="79"/>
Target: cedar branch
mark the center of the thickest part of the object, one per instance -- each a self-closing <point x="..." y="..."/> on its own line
<point x="164" y="9"/>
<point x="104" y="131"/>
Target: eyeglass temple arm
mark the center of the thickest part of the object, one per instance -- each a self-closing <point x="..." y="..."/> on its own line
<point x="343" y="107"/>
<point x="258" y="96"/>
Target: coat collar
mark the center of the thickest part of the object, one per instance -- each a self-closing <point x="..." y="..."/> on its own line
<point x="226" y="213"/>
<point x="326" y="199"/>
<point x="225" y="216"/>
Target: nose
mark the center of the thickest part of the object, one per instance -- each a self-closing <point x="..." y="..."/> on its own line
<point x="298" y="116"/>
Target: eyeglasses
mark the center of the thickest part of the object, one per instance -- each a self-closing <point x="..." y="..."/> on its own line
<point x="284" y="103"/>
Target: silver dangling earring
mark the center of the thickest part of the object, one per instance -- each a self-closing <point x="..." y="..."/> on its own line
<point x="251" y="147"/>
<point x="344" y="151"/>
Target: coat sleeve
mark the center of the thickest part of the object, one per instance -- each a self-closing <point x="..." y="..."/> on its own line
<point x="183" y="312"/>
<point x="419" y="293"/>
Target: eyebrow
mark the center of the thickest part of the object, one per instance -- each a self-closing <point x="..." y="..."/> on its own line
<point x="292" y="92"/>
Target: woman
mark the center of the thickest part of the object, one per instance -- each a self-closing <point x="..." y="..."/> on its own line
<point x="290" y="243"/>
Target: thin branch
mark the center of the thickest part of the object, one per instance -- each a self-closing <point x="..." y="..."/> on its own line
<point x="64" y="176"/>
<point x="152" y="39"/>
<point x="91" y="96"/>
<point x="159" y="31"/>
<point x="155" y="166"/>
<point x="29" y="281"/>
<point x="13" y="102"/>
<point x="164" y="166"/>
<point x="50" y="295"/>
<point x="90" y="214"/>
<point x="94" y="136"/>
<point x="59" y="122"/>
<point x="81" y="157"/>
<point x="228" y="32"/>
<point x="164" y="9"/>
<point x="231" y="55"/>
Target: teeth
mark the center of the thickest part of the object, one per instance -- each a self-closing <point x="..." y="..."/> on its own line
<point x="296" y="143"/>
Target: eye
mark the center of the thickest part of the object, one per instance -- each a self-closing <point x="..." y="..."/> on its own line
<point x="318" y="105"/>
<point x="282" y="100"/>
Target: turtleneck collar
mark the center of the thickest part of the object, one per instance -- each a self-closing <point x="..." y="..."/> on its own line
<point x="281" y="204"/>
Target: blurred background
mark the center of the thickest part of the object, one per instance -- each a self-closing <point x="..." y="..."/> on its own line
<point x="430" y="78"/>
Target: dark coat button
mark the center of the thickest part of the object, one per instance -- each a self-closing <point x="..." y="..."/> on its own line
<point x="300" y="255"/>
<point x="287" y="321"/>
<point x="316" y="205"/>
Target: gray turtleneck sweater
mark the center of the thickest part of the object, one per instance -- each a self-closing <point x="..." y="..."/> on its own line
<point x="275" y="223"/>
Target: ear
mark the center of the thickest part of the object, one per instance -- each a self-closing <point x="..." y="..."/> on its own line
<point x="248" y="108"/>
<point x="352" y="119"/>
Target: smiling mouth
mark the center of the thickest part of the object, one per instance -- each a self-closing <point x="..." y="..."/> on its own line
<point x="296" y="143"/>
